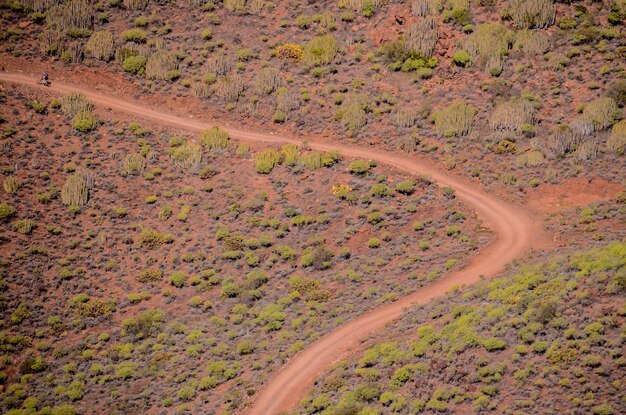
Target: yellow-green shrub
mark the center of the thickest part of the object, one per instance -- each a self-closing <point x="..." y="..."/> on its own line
<point x="487" y="41"/>
<point x="214" y="138"/>
<point x="101" y="45"/>
<point x="617" y="139"/>
<point x="84" y="121"/>
<point x="320" y="50"/>
<point x="454" y="120"/>
<point x="602" y="111"/>
<point x="512" y="115"/>
<point x="266" y="160"/>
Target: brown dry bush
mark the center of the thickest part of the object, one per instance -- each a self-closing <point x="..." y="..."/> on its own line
<point x="75" y="103"/>
<point x="532" y="14"/>
<point x="136" y="4"/>
<point x="560" y="141"/>
<point x="287" y="101"/>
<point x="512" y="115"/>
<point x="161" y="65"/>
<point x="230" y="87"/>
<point x="74" y="14"/>
<point x="218" y="64"/>
<point x="587" y="150"/>
<point x="454" y="120"/>
<point x="53" y="42"/>
<point x="74" y="52"/>
<point x="531" y="42"/>
<point x="424" y="8"/>
<point x="255" y="6"/>
<point x="408" y="143"/>
<point x="267" y="80"/>
<point x="200" y="89"/>
<point x="39" y="5"/>
<point x="235" y="6"/>
<point x="421" y="38"/>
<point x="405" y="118"/>
<point x="582" y="129"/>
<point x="75" y="191"/>
<point x="101" y="45"/>
<point x="86" y="176"/>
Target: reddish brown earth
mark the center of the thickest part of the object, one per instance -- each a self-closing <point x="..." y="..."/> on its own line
<point x="572" y="193"/>
<point x="516" y="231"/>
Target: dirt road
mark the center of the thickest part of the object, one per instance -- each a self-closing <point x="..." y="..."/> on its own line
<point x="514" y="229"/>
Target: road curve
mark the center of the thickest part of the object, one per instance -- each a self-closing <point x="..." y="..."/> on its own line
<point x="514" y="229"/>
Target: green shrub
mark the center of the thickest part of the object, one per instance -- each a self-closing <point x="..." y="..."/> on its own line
<point x="177" y="279"/>
<point x="84" y="122"/>
<point x="320" y="50"/>
<point x="602" y="409"/>
<point x="149" y="275"/>
<point x="135" y="35"/>
<point x="266" y="160"/>
<point x="150" y="239"/>
<point x="359" y="167"/>
<point x="38" y="106"/>
<point x="135" y="65"/>
<point x="245" y="347"/>
<point x="531" y="42"/>
<point x="373" y="243"/>
<point x="353" y="111"/>
<point x="406" y="187"/>
<point x="6" y="211"/>
<point x="462" y="59"/>
<point x="493" y="344"/>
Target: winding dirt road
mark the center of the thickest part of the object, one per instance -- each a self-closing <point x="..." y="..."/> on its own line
<point x="515" y="231"/>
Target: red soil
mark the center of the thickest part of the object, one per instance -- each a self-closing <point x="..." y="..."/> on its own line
<point x="515" y="232"/>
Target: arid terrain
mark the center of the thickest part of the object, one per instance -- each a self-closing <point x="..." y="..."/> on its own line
<point x="234" y="206"/>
